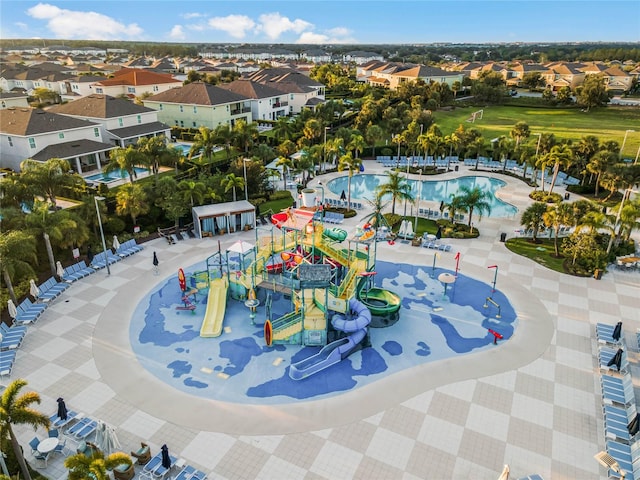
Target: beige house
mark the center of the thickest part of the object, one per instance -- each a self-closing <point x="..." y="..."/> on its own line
<point x="426" y="74"/>
<point x="134" y="82"/>
<point x="561" y="75"/>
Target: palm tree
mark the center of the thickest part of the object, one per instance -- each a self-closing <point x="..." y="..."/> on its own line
<point x="357" y="144"/>
<point x="373" y="135"/>
<point x="125" y="160"/>
<point x="245" y="134"/>
<point x="520" y="131"/>
<point x="478" y="148"/>
<point x="204" y="143"/>
<point x="435" y="145"/>
<point x="347" y="162"/>
<point x="231" y="182"/>
<point x="455" y="205"/>
<point x="555" y="217"/>
<point x="284" y="129"/>
<point x="16" y="409"/>
<point x="599" y="163"/>
<point x="333" y="149"/>
<point x="159" y="153"/>
<point x="312" y="129"/>
<point x="560" y="156"/>
<point x="50" y="178"/>
<point x="193" y="192"/>
<point x="264" y="152"/>
<point x="95" y="467"/>
<point x="475" y="199"/>
<point x="17" y="257"/>
<point x="131" y="200"/>
<point x="286" y="164"/>
<point x="593" y="221"/>
<point x="222" y="134"/>
<point x="376" y="218"/>
<point x="532" y="218"/>
<point x="396" y="186"/>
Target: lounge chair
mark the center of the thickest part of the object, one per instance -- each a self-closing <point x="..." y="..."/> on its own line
<point x="124" y="472"/>
<point x="7" y="359"/>
<point x="59" y="423"/>
<point x="627" y="457"/>
<point x="83" y="428"/>
<point x="617" y="391"/>
<point x="143" y="454"/>
<point x="604" y="334"/>
<point x="10" y="342"/>
<point x="151" y="465"/>
<point x="190" y="473"/>
<point x="12" y="332"/>
<point x="43" y="457"/>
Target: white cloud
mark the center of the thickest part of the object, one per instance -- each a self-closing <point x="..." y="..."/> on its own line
<point x="21" y="25"/>
<point x="234" y="25"/>
<point x="177" y="33"/>
<point x="321" y="39"/>
<point x="189" y="16"/>
<point x="313" y="38"/>
<point x="339" y="32"/>
<point x="65" y="23"/>
<point x="274" y="25"/>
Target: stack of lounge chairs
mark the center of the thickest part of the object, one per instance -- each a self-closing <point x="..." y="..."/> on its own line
<point x="51" y="289"/>
<point x="128" y="248"/>
<point x="102" y="259"/>
<point x="333" y="217"/>
<point x="76" y="271"/>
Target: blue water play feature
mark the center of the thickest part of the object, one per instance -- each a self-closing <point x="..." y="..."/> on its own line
<point x="238" y="367"/>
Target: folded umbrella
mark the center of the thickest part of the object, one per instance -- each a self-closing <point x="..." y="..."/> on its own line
<point x="59" y="270"/>
<point x="617" y="331"/>
<point x="62" y="409"/>
<point x="166" y="459"/>
<point x="33" y="289"/>
<point x="616" y="360"/>
<point x="634" y="425"/>
<point x="116" y="243"/>
<point x="13" y="311"/>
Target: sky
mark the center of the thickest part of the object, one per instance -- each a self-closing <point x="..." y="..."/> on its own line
<point x="324" y="22"/>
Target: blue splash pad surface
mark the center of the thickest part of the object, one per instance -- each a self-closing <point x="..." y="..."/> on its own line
<point x="238" y="367"/>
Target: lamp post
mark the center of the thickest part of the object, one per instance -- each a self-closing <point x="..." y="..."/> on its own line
<point x="637" y="156"/>
<point x="324" y="150"/>
<point x="104" y="244"/>
<point x="244" y="170"/>
<point x="433" y="267"/>
<point x="495" y="277"/>
<point x="415" y="222"/>
<point x="537" y="150"/>
<point x="322" y="199"/>
<point x="624" y="140"/>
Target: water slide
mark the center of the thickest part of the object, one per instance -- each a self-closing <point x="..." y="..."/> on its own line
<point x="355" y="325"/>
<point x="216" y="305"/>
<point x="379" y="301"/>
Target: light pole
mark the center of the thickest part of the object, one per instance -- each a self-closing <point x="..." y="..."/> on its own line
<point x="624" y="140"/>
<point x="495" y="277"/>
<point x="537" y="150"/>
<point x="104" y="244"/>
<point x="324" y="150"/>
<point x="637" y="156"/>
<point x="244" y="169"/>
<point x="322" y="200"/>
<point x="415" y="222"/>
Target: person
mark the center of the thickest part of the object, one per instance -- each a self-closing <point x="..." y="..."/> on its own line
<point x="155" y="263"/>
<point x="89" y="255"/>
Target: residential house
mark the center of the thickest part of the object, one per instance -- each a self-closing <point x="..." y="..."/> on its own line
<point x="360" y="57"/>
<point x="41" y="135"/>
<point x="122" y="122"/>
<point x="8" y="100"/>
<point x="303" y="92"/>
<point x="519" y="70"/>
<point x="563" y="74"/>
<point x="200" y="104"/>
<point x="316" y="55"/>
<point x="426" y="74"/>
<point x="134" y="82"/>
<point x="267" y="103"/>
<point x="26" y="79"/>
<point x="614" y="77"/>
<point x="380" y="74"/>
<point x="79" y="86"/>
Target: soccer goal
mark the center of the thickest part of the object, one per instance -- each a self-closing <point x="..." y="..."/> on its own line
<point x="475" y="116"/>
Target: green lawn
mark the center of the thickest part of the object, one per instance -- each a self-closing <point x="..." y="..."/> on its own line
<point x="608" y="123"/>
<point x="541" y="252"/>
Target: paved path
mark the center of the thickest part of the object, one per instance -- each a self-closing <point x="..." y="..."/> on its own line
<point x="533" y="403"/>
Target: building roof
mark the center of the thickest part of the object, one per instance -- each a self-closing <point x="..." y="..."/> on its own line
<point x="279" y="75"/>
<point x="423" y="71"/>
<point x="24" y="121"/>
<point x="100" y="106"/>
<point x="198" y="93"/>
<point x="251" y="89"/>
<point x="134" y="76"/>
<point x="218" y="209"/>
<point x="141" y="129"/>
<point x="72" y="149"/>
<point x="13" y="95"/>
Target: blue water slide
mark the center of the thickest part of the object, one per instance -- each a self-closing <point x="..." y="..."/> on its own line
<point x="356" y="324"/>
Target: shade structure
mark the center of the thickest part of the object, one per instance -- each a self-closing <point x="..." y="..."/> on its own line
<point x="106" y="438"/>
<point x="13" y="311"/>
<point x="617" y="331"/>
<point x="62" y="409"/>
<point x="59" y="269"/>
<point x="634" y="425"/>
<point x="33" y="289"/>
<point x="166" y="459"/>
<point x="116" y="243"/>
<point x="616" y="360"/>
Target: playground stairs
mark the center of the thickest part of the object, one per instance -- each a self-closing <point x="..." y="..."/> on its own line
<point x="287" y="326"/>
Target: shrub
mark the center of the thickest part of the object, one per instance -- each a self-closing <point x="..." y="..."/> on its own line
<point x="545" y="197"/>
<point x="392" y="219"/>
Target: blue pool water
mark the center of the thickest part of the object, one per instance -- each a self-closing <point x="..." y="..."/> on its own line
<point x="238" y="367"/>
<point x="364" y="186"/>
<point x="113" y="176"/>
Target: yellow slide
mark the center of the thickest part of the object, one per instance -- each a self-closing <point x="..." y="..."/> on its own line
<point x="216" y="306"/>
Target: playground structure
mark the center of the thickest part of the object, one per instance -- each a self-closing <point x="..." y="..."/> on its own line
<point x="329" y="287"/>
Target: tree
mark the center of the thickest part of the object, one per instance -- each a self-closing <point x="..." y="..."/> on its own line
<point x="16" y="409"/>
<point x="532" y="218"/>
<point x="312" y="129"/>
<point x="520" y="131"/>
<point x="559" y="156"/>
<point x="158" y="153"/>
<point x="284" y="129"/>
<point x="223" y="134"/>
<point x="347" y="162"/>
<point x="50" y="178"/>
<point x="374" y="134"/>
<point x="204" y="142"/>
<point x="244" y="135"/>
<point x="396" y="186"/>
<point x="96" y="466"/>
<point x="555" y="217"/>
<point x="17" y="257"/>
<point x="475" y="199"/>
<point x="131" y="200"/>
<point x="287" y="148"/>
<point x="356" y="145"/>
<point x="532" y="80"/>
<point x="334" y="148"/>
<point x="193" y="192"/>
<point x="564" y="96"/>
<point x="376" y="218"/>
<point x="125" y="160"/>
<point x="592" y="92"/>
<point x="599" y="163"/>
<point x="455" y="205"/>
<point x="286" y="164"/>
<point x="478" y="149"/>
<point x="231" y="182"/>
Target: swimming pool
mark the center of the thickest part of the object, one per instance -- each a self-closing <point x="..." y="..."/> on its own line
<point x="185" y="148"/>
<point x="365" y="185"/>
<point x="113" y="176"/>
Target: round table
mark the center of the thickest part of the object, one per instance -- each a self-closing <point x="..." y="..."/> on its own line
<point x="431" y="237"/>
<point x="47" y="445"/>
<point x="446" y="279"/>
<point x="252" y="304"/>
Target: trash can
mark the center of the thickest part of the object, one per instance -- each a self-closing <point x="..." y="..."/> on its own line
<point x="597" y="274"/>
<point x="456" y="168"/>
<point x="567" y="195"/>
<point x="503" y="237"/>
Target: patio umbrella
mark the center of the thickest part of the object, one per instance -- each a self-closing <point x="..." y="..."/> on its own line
<point x="33" y="289"/>
<point x="616" y="360"/>
<point x="13" y="311"/>
<point x="59" y="270"/>
<point x="505" y="473"/>
<point x="116" y="243"/>
<point x="439" y="233"/>
<point x="408" y="229"/>
<point x="343" y="196"/>
<point x="634" y="425"/>
<point x="617" y="331"/>
<point x="166" y="459"/>
<point x="62" y="409"/>
<point x="106" y="438"/>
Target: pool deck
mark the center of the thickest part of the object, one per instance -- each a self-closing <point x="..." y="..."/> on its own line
<point x="533" y="402"/>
